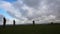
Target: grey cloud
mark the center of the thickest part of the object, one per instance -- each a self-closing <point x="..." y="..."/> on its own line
<point x="37" y="8"/>
<point x="51" y="5"/>
<point x="32" y="3"/>
<point x="54" y="6"/>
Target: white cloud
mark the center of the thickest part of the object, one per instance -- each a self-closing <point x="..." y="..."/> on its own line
<point x="1" y="19"/>
<point x="42" y="10"/>
<point x="10" y="9"/>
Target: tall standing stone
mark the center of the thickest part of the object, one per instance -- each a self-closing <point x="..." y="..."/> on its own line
<point x="33" y="22"/>
<point x="4" y="22"/>
<point x="13" y="22"/>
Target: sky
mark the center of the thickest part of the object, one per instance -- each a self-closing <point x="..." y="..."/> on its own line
<point x="42" y="11"/>
<point x="10" y="0"/>
<point x="4" y="13"/>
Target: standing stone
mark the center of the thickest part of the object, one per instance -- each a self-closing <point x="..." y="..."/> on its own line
<point x="33" y="22"/>
<point x="51" y="22"/>
<point x="13" y="22"/>
<point x="4" y="22"/>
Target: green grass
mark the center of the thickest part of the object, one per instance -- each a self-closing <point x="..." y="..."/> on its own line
<point x="30" y="29"/>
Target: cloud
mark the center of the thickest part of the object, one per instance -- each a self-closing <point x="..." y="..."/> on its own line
<point x="11" y="10"/>
<point x="8" y="21"/>
<point x="41" y="10"/>
<point x="32" y="3"/>
<point x="1" y="19"/>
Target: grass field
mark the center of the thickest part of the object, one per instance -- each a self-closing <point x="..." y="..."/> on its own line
<point x="30" y="29"/>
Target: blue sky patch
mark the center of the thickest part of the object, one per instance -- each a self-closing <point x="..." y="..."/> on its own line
<point x="10" y="0"/>
<point x="4" y="13"/>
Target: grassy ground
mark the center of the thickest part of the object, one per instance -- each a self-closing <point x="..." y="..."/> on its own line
<point x="30" y="29"/>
